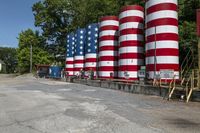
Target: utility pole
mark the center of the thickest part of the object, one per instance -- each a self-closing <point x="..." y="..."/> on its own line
<point x="198" y="34"/>
<point x="31" y="58"/>
<point x="155" y="54"/>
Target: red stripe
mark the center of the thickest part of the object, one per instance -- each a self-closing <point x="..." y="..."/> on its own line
<point x="104" y="38"/>
<point x="104" y="77"/>
<point x="90" y="60"/>
<point x="108" y="68"/>
<point x="131" y="56"/>
<point x="131" y="43"/>
<point x="108" y="58"/>
<point x="128" y="78"/>
<point x="162" y="6"/>
<point x="78" y="61"/>
<point x="69" y="69"/>
<point x="129" y="68"/>
<point x="69" y="62"/>
<point x="90" y="68"/>
<point x="131" y="19"/>
<point x="109" y="48"/>
<point x="151" y="67"/>
<point x="163" y="52"/>
<point x="109" y="27"/>
<point x="78" y="69"/>
<point x="163" y="37"/>
<point x="131" y="31"/>
<point x="132" y="7"/>
<point x="162" y="21"/>
<point x="109" y="18"/>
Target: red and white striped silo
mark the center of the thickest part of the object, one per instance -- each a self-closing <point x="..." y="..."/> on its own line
<point x="108" y="47"/>
<point x="162" y="49"/>
<point x="131" y="50"/>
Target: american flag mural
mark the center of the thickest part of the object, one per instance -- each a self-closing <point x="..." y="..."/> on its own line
<point x="108" y="47"/>
<point x="79" y="50"/>
<point x="162" y="49"/>
<point x="131" y="51"/>
<point x="69" y="67"/>
<point x="92" y="31"/>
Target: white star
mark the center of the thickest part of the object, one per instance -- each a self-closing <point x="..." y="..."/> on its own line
<point x="95" y="47"/>
<point x="73" y="38"/>
<point x="81" y="37"/>
<point x="89" y="32"/>
<point x="89" y="44"/>
<point x="67" y="54"/>
<point x="81" y="32"/>
<point x="95" y="41"/>
<point x="89" y="26"/>
<point x="81" y="42"/>
<point x="89" y="50"/>
<point x="72" y="48"/>
<point x="81" y="47"/>
<point x="81" y="52"/>
<point x="96" y="35"/>
<point x="89" y="38"/>
<point x="73" y="43"/>
<point x="96" y="29"/>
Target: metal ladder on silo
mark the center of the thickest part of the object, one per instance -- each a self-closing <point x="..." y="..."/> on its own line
<point x="189" y="78"/>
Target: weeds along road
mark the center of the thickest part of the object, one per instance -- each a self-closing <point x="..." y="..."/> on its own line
<point x="29" y="105"/>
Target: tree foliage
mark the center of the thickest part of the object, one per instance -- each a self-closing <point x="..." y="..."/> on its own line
<point x="40" y="56"/>
<point x="9" y="57"/>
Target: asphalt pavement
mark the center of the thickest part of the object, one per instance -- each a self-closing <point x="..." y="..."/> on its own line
<point x="30" y="105"/>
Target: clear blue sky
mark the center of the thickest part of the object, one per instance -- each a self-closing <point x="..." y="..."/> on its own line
<point x="15" y="16"/>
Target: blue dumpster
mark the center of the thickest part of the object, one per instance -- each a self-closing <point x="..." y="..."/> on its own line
<point x="55" y="72"/>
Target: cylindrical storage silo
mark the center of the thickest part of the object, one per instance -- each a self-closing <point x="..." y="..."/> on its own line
<point x="69" y="66"/>
<point x="131" y="50"/>
<point x="162" y="50"/>
<point x="79" y="55"/>
<point x="108" y="47"/>
<point x="92" y="31"/>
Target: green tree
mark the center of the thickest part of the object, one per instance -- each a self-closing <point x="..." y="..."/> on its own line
<point x="9" y="56"/>
<point x="40" y="55"/>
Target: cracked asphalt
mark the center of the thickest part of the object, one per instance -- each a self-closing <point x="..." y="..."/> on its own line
<point x="29" y="105"/>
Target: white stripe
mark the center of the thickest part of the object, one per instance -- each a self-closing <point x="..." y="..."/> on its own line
<point x="162" y="14"/>
<point x="127" y="62"/>
<point x="131" y="49"/>
<point x="151" y="74"/>
<point x="78" y="58"/>
<point x="107" y="63"/>
<point x="108" y="53"/>
<point x="163" y="60"/>
<point x="107" y="74"/>
<point x="90" y="64"/>
<point x="132" y="74"/>
<point x="129" y="25"/>
<point x="109" y="23"/>
<point x="131" y="13"/>
<point x="69" y="66"/>
<point x="70" y="72"/>
<point x="70" y="59"/>
<point x="78" y="65"/>
<point x="162" y="44"/>
<point x="108" y="33"/>
<point x="155" y="2"/>
<point x="90" y="56"/>
<point x="162" y="29"/>
<point x="108" y="43"/>
<point x="131" y="37"/>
